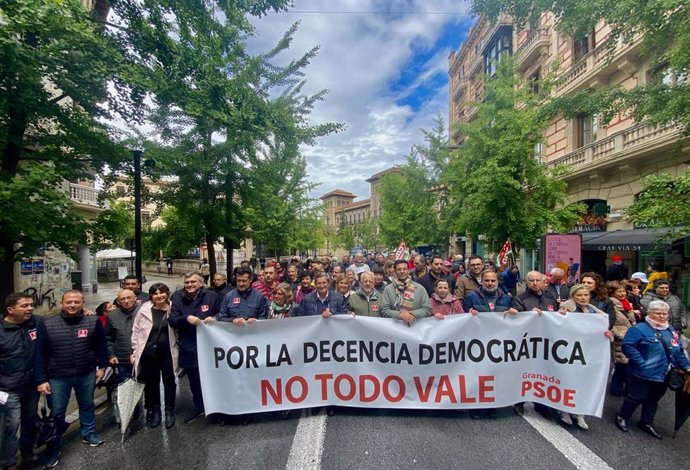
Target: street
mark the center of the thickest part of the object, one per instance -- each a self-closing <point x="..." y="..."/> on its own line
<point x="368" y="439"/>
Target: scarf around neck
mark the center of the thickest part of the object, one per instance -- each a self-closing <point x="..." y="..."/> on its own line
<point x="656" y="325"/>
<point x="406" y="288"/>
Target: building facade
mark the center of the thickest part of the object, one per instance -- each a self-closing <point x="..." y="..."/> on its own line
<point x="608" y="160"/>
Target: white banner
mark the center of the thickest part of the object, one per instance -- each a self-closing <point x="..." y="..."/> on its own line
<point x="463" y="361"/>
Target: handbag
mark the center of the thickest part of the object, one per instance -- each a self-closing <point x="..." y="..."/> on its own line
<point x="45" y="427"/>
<point x="151" y="349"/>
<point x="675" y="378"/>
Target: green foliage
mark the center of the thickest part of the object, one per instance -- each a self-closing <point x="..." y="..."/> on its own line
<point x="367" y="233"/>
<point x="346" y="237"/>
<point x="666" y="40"/>
<point x="497" y="188"/>
<point x="664" y="204"/>
<point x="227" y="124"/>
<point x="112" y="226"/>
<point x="175" y="237"/>
<point x="411" y="198"/>
<point x="55" y="63"/>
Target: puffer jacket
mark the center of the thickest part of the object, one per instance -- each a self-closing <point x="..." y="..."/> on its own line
<point x="624" y="321"/>
<point x="17" y="354"/>
<point x="678" y="317"/>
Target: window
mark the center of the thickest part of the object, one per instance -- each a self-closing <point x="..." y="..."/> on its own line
<point x="534" y="81"/>
<point x="586" y="128"/>
<point x="539" y="151"/>
<point x="582" y="46"/>
<point x="501" y="44"/>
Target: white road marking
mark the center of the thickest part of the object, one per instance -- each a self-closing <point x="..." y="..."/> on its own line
<point x="574" y="450"/>
<point x="307" y="446"/>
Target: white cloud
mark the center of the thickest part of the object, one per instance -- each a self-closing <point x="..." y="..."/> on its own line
<point x="361" y="56"/>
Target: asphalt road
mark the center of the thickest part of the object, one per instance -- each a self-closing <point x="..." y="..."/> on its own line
<point x="377" y="439"/>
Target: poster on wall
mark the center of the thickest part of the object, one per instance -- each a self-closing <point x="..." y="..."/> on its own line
<point x="26" y="268"/>
<point x="560" y="250"/>
<point x="32" y="266"/>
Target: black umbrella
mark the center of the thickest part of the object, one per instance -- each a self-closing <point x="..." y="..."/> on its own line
<point x="682" y="405"/>
<point x="45" y="428"/>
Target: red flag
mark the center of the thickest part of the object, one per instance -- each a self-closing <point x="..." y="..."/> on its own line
<point x="503" y="254"/>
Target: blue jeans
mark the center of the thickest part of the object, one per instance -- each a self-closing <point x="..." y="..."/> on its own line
<point x="83" y="386"/>
<point x="20" y="409"/>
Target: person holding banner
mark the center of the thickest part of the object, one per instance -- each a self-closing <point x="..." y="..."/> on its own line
<point x="191" y="306"/>
<point x="365" y="300"/>
<point x="404" y="299"/>
<point x="488" y="298"/>
<point x="322" y="301"/>
<point x="580" y="295"/>
<point x="652" y="346"/>
<point x="535" y="298"/>
<point x="244" y="304"/>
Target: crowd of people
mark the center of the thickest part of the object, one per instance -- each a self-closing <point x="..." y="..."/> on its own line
<point x="152" y="337"/>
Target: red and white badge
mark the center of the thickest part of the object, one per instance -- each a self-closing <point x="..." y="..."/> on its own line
<point x="204" y="308"/>
<point x="407" y="295"/>
<point x="33" y="335"/>
<point x="82" y="333"/>
<point x="236" y="301"/>
<point x="674" y="342"/>
<point x="549" y="308"/>
<point x="374" y="308"/>
<point x="491" y="305"/>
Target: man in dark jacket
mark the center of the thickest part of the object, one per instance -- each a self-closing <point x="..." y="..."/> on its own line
<point x="71" y="353"/>
<point x="118" y="332"/>
<point x="322" y="301"/>
<point x="488" y="298"/>
<point x="617" y="271"/>
<point x="243" y="304"/>
<point x="18" y="335"/>
<point x="435" y="273"/>
<point x="535" y="298"/>
<point x="220" y="285"/>
<point x="132" y="283"/>
<point x="190" y="306"/>
<point x="469" y="281"/>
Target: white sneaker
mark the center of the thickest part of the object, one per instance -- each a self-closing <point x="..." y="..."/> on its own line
<point x="580" y="420"/>
<point x="565" y="418"/>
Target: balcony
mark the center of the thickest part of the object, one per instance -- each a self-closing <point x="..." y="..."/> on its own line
<point x="85" y="198"/>
<point x="632" y="143"/>
<point x="596" y="66"/>
<point x="534" y="46"/>
<point x="476" y="65"/>
<point x="460" y="87"/>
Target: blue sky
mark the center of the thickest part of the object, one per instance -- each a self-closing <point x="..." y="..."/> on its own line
<point x="385" y="64"/>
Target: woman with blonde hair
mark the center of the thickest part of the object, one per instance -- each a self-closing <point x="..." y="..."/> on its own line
<point x="282" y="305"/>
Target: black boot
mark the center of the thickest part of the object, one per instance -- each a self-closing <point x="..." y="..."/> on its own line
<point x="155" y="419"/>
<point x="169" y="418"/>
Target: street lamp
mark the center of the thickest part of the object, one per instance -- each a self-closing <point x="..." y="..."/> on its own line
<point x="136" y="154"/>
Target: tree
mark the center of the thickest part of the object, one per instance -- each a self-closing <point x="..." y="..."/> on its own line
<point x="53" y="100"/>
<point x="367" y="233"/>
<point x="221" y="116"/>
<point x="666" y="38"/>
<point x="664" y="204"/>
<point x="497" y="187"/>
<point x="112" y="226"/>
<point x="346" y="237"/>
<point x="411" y="198"/>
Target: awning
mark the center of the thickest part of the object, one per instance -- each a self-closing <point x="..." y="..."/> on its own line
<point x="641" y="239"/>
<point x="115" y="253"/>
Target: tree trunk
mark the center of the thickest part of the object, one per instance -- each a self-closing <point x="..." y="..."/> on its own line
<point x="6" y="266"/>
<point x="211" y="253"/>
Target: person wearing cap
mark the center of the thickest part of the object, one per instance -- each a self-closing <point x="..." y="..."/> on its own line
<point x="617" y="271"/>
<point x="638" y="279"/>
<point x="662" y="291"/>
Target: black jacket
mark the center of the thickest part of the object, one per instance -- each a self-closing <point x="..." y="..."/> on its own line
<point x="428" y="281"/>
<point x="69" y="345"/>
<point x="17" y="353"/>
<point x="528" y="301"/>
<point x="205" y="304"/>
<point x="118" y="332"/>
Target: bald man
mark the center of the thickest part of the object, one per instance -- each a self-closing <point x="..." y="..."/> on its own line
<point x="557" y="287"/>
